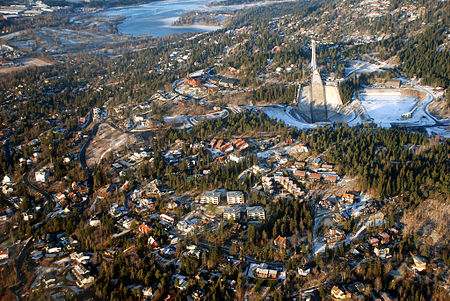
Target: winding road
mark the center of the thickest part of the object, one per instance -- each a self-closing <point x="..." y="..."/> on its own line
<point x="26" y="180"/>
<point x="82" y="159"/>
<point x="7" y="152"/>
<point x="20" y="275"/>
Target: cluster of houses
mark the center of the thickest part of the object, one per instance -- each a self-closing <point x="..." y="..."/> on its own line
<point x="379" y="245"/>
<point x="77" y="138"/>
<point x="334" y="235"/>
<point x="142" y="201"/>
<point x="214" y="197"/>
<point x="383" y="242"/>
<point x="8" y="54"/>
<point x="288" y="184"/>
<point x="293" y="28"/>
<point x="324" y="173"/>
<point x="42" y="175"/>
<point x="139" y="116"/>
<point x="80" y="266"/>
<point x="32" y="8"/>
<point x="375" y="8"/>
<point x="203" y="79"/>
<point x="182" y="283"/>
<point x="268" y="185"/>
<point x="51" y="245"/>
<point x="82" y="269"/>
<point x="99" y="113"/>
<point x="356" y="291"/>
<point x="348" y="291"/>
<point x="331" y="202"/>
<point x="72" y="195"/>
<point x="181" y="56"/>
<point x="195" y="220"/>
<point x="8" y="185"/>
<point x="228" y="147"/>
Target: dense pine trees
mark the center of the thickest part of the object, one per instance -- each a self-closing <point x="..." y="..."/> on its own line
<point x="427" y="57"/>
<point x="388" y="162"/>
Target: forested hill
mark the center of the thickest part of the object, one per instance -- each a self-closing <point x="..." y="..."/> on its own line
<point x="419" y="42"/>
<point x="384" y="162"/>
<point x="427" y="57"/>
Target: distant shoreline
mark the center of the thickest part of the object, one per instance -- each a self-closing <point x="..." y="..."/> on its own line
<point x="173" y="14"/>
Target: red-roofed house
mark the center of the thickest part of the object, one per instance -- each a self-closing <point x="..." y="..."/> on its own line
<point x="330" y="178"/>
<point x="144" y="228"/>
<point x="315" y="176"/>
<point x="348" y="197"/>
<point x="300" y="173"/>
<point x="338" y="293"/>
<point x="280" y="242"/>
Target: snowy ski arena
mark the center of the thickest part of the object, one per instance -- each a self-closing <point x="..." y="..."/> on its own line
<point x="384" y="106"/>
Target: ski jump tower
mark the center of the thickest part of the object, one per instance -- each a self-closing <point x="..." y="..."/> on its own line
<point x="316" y="100"/>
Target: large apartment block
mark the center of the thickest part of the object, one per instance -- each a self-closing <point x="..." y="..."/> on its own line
<point x="210" y="197"/>
<point x="235" y="198"/>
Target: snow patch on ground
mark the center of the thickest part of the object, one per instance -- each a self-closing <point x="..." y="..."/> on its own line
<point x="359" y="67"/>
<point x="282" y="113"/>
<point x="180" y="121"/>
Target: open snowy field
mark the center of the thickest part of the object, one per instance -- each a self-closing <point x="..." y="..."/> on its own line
<point x="359" y="67"/>
<point x="385" y="108"/>
<point x="107" y="139"/>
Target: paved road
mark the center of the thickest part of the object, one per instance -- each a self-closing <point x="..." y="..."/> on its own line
<point x="7" y="152"/>
<point x="82" y="153"/>
<point x="26" y="180"/>
<point x="82" y="159"/>
<point x="20" y="275"/>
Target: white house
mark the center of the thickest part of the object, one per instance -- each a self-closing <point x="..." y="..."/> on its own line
<point x="302" y="148"/>
<point x="42" y="175"/>
<point x="7" y="180"/>
<point x="98" y="113"/>
<point x="167" y="218"/>
<point x="80" y="257"/>
<point x="82" y="275"/>
<point x="7" y="190"/>
<point x="236" y="158"/>
<point x="94" y="222"/>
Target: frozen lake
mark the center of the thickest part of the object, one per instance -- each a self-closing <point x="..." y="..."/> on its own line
<point x="156" y="18"/>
